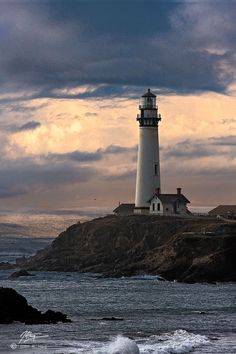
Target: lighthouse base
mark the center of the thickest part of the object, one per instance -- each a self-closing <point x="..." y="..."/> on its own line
<point x="142" y="210"/>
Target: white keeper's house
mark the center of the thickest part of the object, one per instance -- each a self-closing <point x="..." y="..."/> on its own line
<point x="148" y="196"/>
<point x="167" y="204"/>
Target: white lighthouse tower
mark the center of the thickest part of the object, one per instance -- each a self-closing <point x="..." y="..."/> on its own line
<point x="148" y="168"/>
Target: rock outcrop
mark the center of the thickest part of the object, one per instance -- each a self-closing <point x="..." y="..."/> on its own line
<point x="14" y="307"/>
<point x="20" y="273"/>
<point x="186" y="249"/>
<point x="7" y="265"/>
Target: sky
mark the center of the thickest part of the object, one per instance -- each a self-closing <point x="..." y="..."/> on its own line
<point x="71" y="75"/>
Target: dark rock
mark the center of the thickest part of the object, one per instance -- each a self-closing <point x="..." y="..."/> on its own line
<point x="14" y="307"/>
<point x="55" y="316"/>
<point x="7" y="265"/>
<point x="21" y="273"/>
<point x="116" y="246"/>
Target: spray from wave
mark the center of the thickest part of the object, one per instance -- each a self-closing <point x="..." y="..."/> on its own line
<point x="123" y="345"/>
<point x="177" y="342"/>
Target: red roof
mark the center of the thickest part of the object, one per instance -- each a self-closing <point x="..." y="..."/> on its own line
<point x="170" y="198"/>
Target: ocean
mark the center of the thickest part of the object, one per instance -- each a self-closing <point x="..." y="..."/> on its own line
<point x="155" y="317"/>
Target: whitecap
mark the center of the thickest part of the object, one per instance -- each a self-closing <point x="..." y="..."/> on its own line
<point x="177" y="342"/>
<point x="123" y="345"/>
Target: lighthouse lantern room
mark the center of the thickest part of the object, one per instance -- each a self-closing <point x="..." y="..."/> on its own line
<point x="148" y="168"/>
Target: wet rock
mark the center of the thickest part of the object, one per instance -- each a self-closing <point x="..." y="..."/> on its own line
<point x="7" y="265"/>
<point x="14" y="307"/>
<point x="21" y="273"/>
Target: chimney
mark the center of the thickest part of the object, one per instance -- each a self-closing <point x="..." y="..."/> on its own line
<point x="178" y="190"/>
<point x="158" y="190"/>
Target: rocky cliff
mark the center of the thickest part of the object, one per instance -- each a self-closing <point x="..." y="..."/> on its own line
<point x="190" y="249"/>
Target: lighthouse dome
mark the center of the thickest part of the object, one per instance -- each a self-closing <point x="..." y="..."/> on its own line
<point x="148" y="100"/>
<point x="148" y="94"/>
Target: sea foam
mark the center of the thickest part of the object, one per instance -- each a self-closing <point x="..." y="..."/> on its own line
<point x="177" y="342"/>
<point x="123" y="345"/>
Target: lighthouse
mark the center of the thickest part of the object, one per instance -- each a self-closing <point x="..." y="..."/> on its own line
<point x="148" y="179"/>
<point x="148" y="196"/>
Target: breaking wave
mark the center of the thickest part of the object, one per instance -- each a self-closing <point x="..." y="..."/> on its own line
<point x="123" y="345"/>
<point x="177" y="342"/>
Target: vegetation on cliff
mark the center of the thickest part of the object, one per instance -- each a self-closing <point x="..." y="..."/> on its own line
<point x="185" y="249"/>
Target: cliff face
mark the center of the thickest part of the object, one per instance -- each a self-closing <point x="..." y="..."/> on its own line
<point x="184" y="249"/>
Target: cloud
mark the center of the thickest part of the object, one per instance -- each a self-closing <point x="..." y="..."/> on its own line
<point x="91" y="114"/>
<point x="21" y="108"/>
<point x="13" y="128"/>
<point x="86" y="156"/>
<point x="21" y="176"/>
<point x="188" y="149"/>
<point x="228" y="121"/>
<point x="224" y="140"/>
<point x="115" y="149"/>
<point x="130" y="174"/>
<point x="202" y="148"/>
<point x="28" y="126"/>
<point x="88" y="51"/>
<point x="178" y="47"/>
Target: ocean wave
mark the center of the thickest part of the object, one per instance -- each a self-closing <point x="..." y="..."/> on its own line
<point x="123" y="345"/>
<point x="177" y="342"/>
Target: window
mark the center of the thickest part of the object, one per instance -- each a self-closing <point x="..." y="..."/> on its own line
<point x="153" y="206"/>
<point x="158" y="206"/>
<point x="156" y="169"/>
<point x="167" y="209"/>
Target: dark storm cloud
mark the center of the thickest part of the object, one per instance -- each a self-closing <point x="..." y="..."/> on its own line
<point x="225" y="140"/>
<point x="47" y="46"/>
<point x="13" y="128"/>
<point x="200" y="148"/>
<point x="121" y="176"/>
<point x="115" y="149"/>
<point x="20" y="108"/>
<point x="11" y="191"/>
<point x="213" y="172"/>
<point x="85" y="156"/>
<point x="80" y="156"/>
<point x="18" y="177"/>
<point x="23" y="175"/>
<point x="26" y="175"/>
<point x="29" y="126"/>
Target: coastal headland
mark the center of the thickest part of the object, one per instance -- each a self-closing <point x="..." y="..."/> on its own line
<point x="184" y="249"/>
